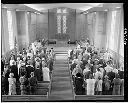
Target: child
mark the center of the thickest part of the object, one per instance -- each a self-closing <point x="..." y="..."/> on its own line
<point x="12" y="84"/>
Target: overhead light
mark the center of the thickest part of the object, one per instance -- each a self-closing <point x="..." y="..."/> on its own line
<point x="118" y="7"/>
<point x="105" y="10"/>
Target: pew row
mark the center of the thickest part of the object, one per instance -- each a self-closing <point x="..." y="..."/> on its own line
<point x="43" y="87"/>
<point x="99" y="97"/>
<point x="14" y="98"/>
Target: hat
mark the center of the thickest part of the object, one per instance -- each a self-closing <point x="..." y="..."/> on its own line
<point x="32" y="74"/>
<point x="106" y="77"/>
<point x="11" y="75"/>
<point x="43" y="58"/>
<point x="22" y="63"/>
<point x="29" y="61"/>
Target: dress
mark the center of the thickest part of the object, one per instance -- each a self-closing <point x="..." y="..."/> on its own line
<point x="12" y="86"/>
<point x="46" y="76"/>
<point x="117" y="86"/>
<point x="90" y="86"/>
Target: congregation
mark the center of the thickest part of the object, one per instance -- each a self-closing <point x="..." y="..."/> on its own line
<point x="94" y="71"/>
<point x="22" y="71"/>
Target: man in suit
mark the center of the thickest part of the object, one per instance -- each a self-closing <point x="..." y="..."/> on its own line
<point x="29" y="68"/>
<point x="14" y="70"/>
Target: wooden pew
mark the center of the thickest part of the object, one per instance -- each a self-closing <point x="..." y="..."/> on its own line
<point x="14" y="98"/>
<point x="41" y="94"/>
<point x="99" y="97"/>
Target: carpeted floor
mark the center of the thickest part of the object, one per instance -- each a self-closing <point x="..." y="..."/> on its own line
<point x="61" y="82"/>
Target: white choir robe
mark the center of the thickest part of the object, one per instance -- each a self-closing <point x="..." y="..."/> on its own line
<point x="46" y="76"/>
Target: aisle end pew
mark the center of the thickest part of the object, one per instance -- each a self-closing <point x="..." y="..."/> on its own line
<point x="99" y="97"/>
<point x="14" y="98"/>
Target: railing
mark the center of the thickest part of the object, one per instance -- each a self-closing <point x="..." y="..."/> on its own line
<point x="99" y="97"/>
<point x="14" y="98"/>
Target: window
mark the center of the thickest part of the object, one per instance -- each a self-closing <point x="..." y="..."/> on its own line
<point x="10" y="29"/>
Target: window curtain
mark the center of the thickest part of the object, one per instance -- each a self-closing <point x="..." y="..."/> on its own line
<point x="121" y="48"/>
<point x="113" y="30"/>
<point x="4" y="32"/>
<point x="14" y="27"/>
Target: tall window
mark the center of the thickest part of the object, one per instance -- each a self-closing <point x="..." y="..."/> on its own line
<point x="10" y="29"/>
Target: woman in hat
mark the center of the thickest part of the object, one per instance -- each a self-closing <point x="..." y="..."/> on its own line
<point x="12" y="84"/>
<point x="116" y="85"/>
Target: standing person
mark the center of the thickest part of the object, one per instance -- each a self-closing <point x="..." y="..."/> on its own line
<point x="32" y="83"/>
<point x="3" y="81"/>
<point x="12" y="84"/>
<point x="106" y="85"/>
<point x="76" y="70"/>
<point x="46" y="72"/>
<point x="90" y="85"/>
<point x="29" y="68"/>
<point x="116" y="85"/>
<point x="78" y="84"/>
<point x="14" y="70"/>
<point x="98" y="86"/>
<point x="38" y="73"/>
<point x="23" y="85"/>
<point x="122" y="85"/>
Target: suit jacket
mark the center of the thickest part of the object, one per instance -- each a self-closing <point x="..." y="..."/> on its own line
<point x="78" y="85"/>
<point x="14" y="70"/>
<point x="29" y="69"/>
<point x="38" y="74"/>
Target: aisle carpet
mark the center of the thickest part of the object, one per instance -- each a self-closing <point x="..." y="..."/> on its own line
<point x="61" y="82"/>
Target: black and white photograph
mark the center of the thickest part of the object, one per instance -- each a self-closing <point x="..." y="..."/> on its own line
<point x="62" y="52"/>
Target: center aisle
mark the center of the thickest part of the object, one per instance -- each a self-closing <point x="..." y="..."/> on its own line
<point x="61" y="87"/>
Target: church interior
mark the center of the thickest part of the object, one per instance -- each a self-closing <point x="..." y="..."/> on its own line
<point x="62" y="51"/>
